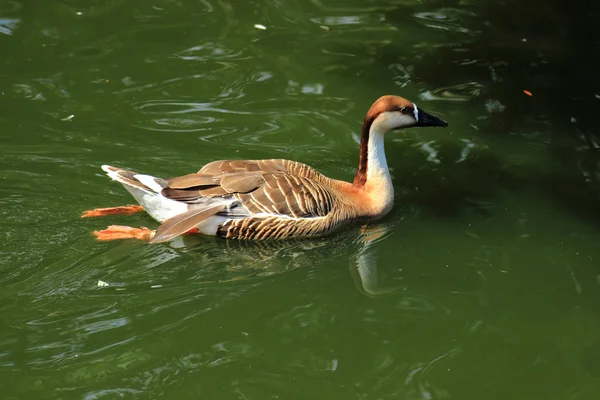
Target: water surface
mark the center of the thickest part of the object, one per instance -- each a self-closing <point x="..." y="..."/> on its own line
<point x="483" y="282"/>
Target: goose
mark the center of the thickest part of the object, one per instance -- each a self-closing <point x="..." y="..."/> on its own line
<point x="268" y="199"/>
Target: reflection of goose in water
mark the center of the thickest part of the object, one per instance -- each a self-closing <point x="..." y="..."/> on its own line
<point x="269" y="199"/>
<point x="234" y="260"/>
<point x="365" y="272"/>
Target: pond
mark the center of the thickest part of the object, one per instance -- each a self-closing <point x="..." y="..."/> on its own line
<point x="482" y="283"/>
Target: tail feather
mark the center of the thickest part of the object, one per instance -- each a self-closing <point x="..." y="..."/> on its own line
<point x="147" y="190"/>
<point x="130" y="179"/>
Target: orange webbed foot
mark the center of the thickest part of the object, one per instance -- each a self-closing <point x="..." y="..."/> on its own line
<point x="117" y="232"/>
<point x="102" y="212"/>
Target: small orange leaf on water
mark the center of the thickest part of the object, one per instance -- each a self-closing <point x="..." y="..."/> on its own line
<point x="528" y="93"/>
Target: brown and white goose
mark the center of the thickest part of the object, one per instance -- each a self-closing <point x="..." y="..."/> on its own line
<point x="269" y="199"/>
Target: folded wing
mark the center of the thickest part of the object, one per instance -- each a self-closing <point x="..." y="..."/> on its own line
<point x="262" y="187"/>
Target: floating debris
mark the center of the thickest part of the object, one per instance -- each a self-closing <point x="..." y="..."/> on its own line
<point x="528" y="93"/>
<point x="155" y="286"/>
<point x="69" y="118"/>
<point x="261" y="27"/>
<point x="102" y="284"/>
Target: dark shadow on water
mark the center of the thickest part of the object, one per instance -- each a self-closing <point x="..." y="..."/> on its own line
<point x="547" y="48"/>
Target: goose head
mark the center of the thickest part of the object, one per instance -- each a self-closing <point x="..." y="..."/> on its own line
<point x="390" y="113"/>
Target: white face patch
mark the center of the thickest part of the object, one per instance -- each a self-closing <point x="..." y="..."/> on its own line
<point x="416" y="111"/>
<point x="391" y="120"/>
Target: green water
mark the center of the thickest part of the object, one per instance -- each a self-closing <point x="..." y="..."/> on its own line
<point x="483" y="282"/>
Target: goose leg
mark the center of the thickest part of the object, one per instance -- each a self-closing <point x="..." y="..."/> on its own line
<point x="118" y="232"/>
<point x="102" y="212"/>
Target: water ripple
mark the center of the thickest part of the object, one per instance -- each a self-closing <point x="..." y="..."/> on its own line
<point x="443" y="308"/>
<point x="9" y="25"/>
<point x="446" y="19"/>
<point x="210" y="51"/>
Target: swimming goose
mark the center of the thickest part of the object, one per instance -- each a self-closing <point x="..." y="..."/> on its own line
<point x="268" y="199"/>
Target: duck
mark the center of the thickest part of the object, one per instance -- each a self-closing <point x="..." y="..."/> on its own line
<point x="272" y="198"/>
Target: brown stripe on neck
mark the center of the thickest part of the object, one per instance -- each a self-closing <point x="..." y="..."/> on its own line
<point x="361" y="175"/>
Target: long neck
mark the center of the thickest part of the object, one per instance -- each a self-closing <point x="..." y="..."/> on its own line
<point x="372" y="163"/>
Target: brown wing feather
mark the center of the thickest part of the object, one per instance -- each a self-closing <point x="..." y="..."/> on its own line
<point x="192" y="180"/>
<point x="215" y="191"/>
<point x="291" y="196"/>
<point x="184" y="195"/>
<point x="275" y="165"/>
<point x="279" y="187"/>
<point x="180" y="224"/>
<point x="242" y="183"/>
